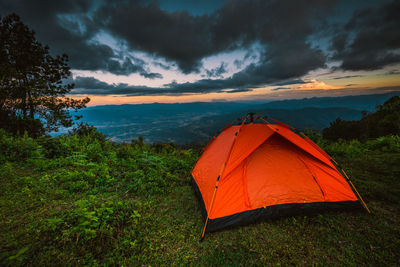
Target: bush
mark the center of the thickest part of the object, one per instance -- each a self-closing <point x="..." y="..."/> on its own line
<point x="84" y="129"/>
<point x="90" y="219"/>
<point x="53" y="147"/>
<point x="353" y="148"/>
<point x="389" y="143"/>
<point x="18" y="148"/>
<point x="6" y="169"/>
<point x="344" y="148"/>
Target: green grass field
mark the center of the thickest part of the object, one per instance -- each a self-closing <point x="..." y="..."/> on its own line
<point x="82" y="200"/>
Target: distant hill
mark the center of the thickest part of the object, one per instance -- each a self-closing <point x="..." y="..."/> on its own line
<point x="305" y="118"/>
<point x="197" y="122"/>
<point x="359" y="102"/>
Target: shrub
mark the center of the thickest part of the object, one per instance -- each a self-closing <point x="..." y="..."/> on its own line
<point x="345" y="148"/>
<point x="18" y="148"/>
<point x="84" y="129"/>
<point x="6" y="169"/>
<point x="53" y="147"/>
<point x="390" y="143"/>
<point x="92" y="219"/>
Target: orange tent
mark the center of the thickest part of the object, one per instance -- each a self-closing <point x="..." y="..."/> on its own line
<point x="256" y="171"/>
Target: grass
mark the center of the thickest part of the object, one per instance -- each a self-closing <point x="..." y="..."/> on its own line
<point x="100" y="203"/>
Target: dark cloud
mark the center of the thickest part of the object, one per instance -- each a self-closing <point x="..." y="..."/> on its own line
<point x="66" y="28"/>
<point x="347" y="77"/>
<point x="176" y="36"/>
<point x="255" y="75"/>
<point x="217" y="71"/>
<point x="152" y="75"/>
<point x="275" y="34"/>
<point x="163" y="66"/>
<point x="290" y="82"/>
<point x="187" y="39"/>
<point x="393" y="72"/>
<point x="370" y="40"/>
<point x="238" y="63"/>
<point x="91" y="85"/>
<point x="281" y="88"/>
<point x="127" y="67"/>
<point x="273" y="67"/>
<point x="180" y="37"/>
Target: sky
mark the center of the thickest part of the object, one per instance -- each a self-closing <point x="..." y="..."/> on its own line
<point x="170" y="51"/>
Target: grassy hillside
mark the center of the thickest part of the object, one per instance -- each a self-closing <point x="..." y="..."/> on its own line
<point x="80" y="199"/>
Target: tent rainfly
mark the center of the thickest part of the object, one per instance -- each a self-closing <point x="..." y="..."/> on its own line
<point x="255" y="171"/>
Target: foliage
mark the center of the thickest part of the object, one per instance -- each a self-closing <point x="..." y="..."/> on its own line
<point x="385" y="121"/>
<point x="79" y="199"/>
<point x="32" y="82"/>
<point x="354" y="148"/>
<point x="18" y="148"/>
<point x="84" y="129"/>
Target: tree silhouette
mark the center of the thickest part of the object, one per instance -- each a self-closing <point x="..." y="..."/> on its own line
<point x="33" y="84"/>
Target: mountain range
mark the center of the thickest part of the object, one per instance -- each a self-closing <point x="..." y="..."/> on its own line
<point x="197" y="122"/>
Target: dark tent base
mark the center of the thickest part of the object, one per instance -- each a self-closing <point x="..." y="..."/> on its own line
<point x="271" y="212"/>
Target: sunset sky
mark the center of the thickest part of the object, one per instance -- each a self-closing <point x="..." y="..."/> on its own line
<point x="185" y="51"/>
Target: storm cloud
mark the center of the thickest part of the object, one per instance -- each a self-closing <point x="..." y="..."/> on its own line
<point x="93" y="86"/>
<point x="105" y="35"/>
<point x="67" y="28"/>
<point x="370" y="40"/>
<point x="187" y="39"/>
<point x="218" y="71"/>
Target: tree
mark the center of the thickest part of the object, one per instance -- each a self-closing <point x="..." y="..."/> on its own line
<point x="33" y="83"/>
<point x="347" y="130"/>
<point x="385" y="121"/>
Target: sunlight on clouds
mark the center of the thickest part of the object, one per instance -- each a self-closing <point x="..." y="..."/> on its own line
<point x="321" y="82"/>
<point x="388" y="76"/>
<point x="315" y="84"/>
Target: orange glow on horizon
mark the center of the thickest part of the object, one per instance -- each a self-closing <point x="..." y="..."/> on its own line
<point x="312" y="88"/>
<point x="256" y="95"/>
<point x="328" y="84"/>
<point x="314" y="84"/>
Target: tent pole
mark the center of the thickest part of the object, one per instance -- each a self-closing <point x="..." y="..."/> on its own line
<point x="351" y="184"/>
<point x="219" y="176"/>
<point x="211" y="205"/>
<point x="358" y="194"/>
